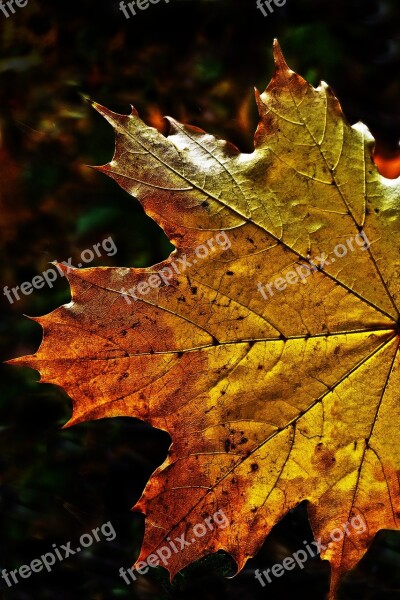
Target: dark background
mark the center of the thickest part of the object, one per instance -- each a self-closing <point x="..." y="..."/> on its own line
<point x="198" y="61"/>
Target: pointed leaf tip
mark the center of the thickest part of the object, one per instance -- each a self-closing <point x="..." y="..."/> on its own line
<point x="134" y="112"/>
<point x="62" y="267"/>
<point x="86" y="98"/>
<point x="20" y="361"/>
<point x="279" y="59"/>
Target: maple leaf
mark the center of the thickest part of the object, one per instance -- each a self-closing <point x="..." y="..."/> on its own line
<point x="270" y="399"/>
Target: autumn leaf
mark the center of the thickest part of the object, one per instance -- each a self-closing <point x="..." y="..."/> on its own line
<point x="389" y="166"/>
<point x="274" y="390"/>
